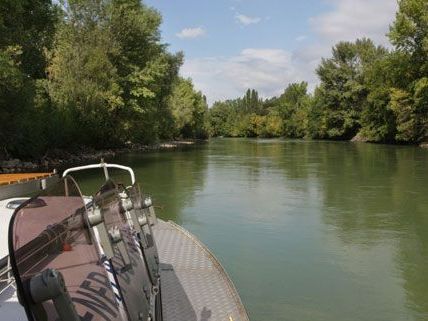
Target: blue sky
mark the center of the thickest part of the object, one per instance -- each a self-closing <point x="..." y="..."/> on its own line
<point x="231" y="45"/>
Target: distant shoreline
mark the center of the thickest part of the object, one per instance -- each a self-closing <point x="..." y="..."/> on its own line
<point x="423" y="144"/>
<point x="58" y="159"/>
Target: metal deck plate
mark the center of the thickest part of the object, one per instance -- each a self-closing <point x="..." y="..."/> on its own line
<point x="194" y="285"/>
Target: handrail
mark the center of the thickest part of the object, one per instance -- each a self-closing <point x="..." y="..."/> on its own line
<point x="104" y="166"/>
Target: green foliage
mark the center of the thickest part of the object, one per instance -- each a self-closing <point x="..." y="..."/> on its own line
<point x="146" y="70"/>
<point x="30" y="25"/>
<point x="218" y="119"/>
<point x="293" y="107"/>
<point x="411" y="111"/>
<point x="85" y="72"/>
<point x="251" y="116"/>
<point x="409" y="98"/>
<point x="343" y="90"/>
<point x="12" y="100"/>
<point x="26" y="31"/>
<point x="274" y="125"/>
<point x="395" y="109"/>
<point x="251" y="103"/>
<point x="110" y="73"/>
<point x="189" y="109"/>
<point x="377" y="119"/>
<point x="409" y="32"/>
<point x="83" y="81"/>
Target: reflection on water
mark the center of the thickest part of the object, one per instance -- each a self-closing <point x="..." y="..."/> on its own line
<point x="307" y="230"/>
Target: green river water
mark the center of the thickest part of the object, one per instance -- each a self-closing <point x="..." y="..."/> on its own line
<point x="316" y="231"/>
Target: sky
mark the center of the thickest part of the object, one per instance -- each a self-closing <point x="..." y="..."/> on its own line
<point x="232" y="45"/>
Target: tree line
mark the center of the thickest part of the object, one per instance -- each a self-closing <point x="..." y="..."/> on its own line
<point x="89" y="73"/>
<point x="366" y="91"/>
<point x="96" y="73"/>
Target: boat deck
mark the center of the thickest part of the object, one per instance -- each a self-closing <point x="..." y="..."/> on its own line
<point x="195" y="287"/>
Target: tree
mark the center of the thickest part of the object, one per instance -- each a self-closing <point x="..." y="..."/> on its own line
<point x="409" y="99"/>
<point x="409" y="32"/>
<point x="26" y="31"/>
<point x="29" y="24"/>
<point x="293" y="107"/>
<point x="110" y="74"/>
<point x="146" y="70"/>
<point x="188" y="109"/>
<point x="83" y="80"/>
<point x="343" y="92"/>
<point x="221" y="119"/>
<point x="251" y="102"/>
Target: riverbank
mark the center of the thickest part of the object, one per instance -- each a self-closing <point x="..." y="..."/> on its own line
<point x="356" y="139"/>
<point x="58" y="159"/>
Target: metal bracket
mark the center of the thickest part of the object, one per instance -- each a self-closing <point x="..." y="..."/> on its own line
<point x="137" y="221"/>
<point x="117" y="240"/>
<point x="108" y="238"/>
<point x="151" y="215"/>
<point x="129" y="208"/>
<point x="96" y="220"/>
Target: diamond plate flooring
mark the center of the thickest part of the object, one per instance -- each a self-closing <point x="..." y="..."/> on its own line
<point x="194" y="285"/>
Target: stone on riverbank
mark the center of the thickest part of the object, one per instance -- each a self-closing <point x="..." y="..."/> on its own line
<point x="360" y="138"/>
<point x="58" y="159"/>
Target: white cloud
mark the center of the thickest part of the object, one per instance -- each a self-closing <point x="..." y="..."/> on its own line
<point x="190" y="33"/>
<point x="351" y="19"/>
<point x="270" y="70"/>
<point x="246" y="20"/>
<point x="267" y="70"/>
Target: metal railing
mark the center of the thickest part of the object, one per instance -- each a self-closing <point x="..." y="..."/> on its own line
<point x="104" y="166"/>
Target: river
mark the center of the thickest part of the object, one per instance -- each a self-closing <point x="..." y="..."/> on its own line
<point x="307" y="230"/>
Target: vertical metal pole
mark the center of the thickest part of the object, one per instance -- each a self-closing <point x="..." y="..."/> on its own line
<point x="66" y="187"/>
<point x="105" y="169"/>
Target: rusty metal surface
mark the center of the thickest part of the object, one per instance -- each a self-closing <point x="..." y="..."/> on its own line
<point x="195" y="287"/>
